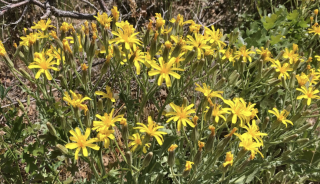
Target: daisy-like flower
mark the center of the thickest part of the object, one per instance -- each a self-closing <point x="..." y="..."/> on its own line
<point x="317" y="57"/>
<point x="29" y="39"/>
<point x="66" y="46"/>
<point x="253" y="131"/>
<point x="302" y="79"/>
<point x="109" y="94"/>
<point x="105" y="134"/>
<point x="81" y="142"/>
<point x="106" y="121"/>
<point x="291" y="55"/>
<point x="193" y="28"/>
<point x="160" y="21"/>
<point x="103" y="19"/>
<point x="281" y="117"/>
<point x="76" y="100"/>
<point x="172" y="147"/>
<point x="178" y="40"/>
<point x="165" y="69"/>
<point x="188" y="165"/>
<point x="282" y="70"/>
<point x="152" y="130"/>
<point x="248" y="144"/>
<point x="137" y="141"/>
<point x="309" y="94"/>
<point x="115" y="13"/>
<point x="218" y="112"/>
<point x="137" y="56"/>
<point x="199" y="43"/>
<point x="72" y="41"/>
<point x="201" y="145"/>
<point x="315" y="29"/>
<point x="64" y="27"/>
<point x="229" y="159"/>
<point x="128" y="39"/>
<point x="238" y="109"/>
<point x="207" y="92"/>
<point x="3" y="51"/>
<point x="265" y="54"/>
<point x="126" y="27"/>
<point x="228" y="54"/>
<point x="215" y="36"/>
<point x="43" y="64"/>
<point x="55" y="53"/>
<point x="181" y="115"/>
<point x="42" y="24"/>
<point x="244" y="53"/>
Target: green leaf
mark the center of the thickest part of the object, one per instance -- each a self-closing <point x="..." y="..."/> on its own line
<point x="303" y="24"/>
<point x="293" y="16"/>
<point x="268" y="22"/>
<point x="275" y="39"/>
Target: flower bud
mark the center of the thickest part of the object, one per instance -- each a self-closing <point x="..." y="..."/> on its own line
<point x="296" y="65"/>
<point x="84" y="77"/>
<point x="117" y="52"/>
<point x="186" y="173"/>
<point x="123" y="110"/>
<point x="284" y="83"/>
<point x="124" y="129"/>
<point x="242" y="166"/>
<point x="63" y="81"/>
<point x="302" y="140"/>
<point x="105" y="67"/>
<point x="279" y="55"/>
<point x="25" y="74"/>
<point x="222" y="145"/>
<point x="100" y="105"/>
<point x="220" y="83"/>
<point x="288" y="108"/>
<point x="52" y="130"/>
<point x="197" y="158"/>
<point x="128" y="156"/>
<point x="62" y="149"/>
<point x="276" y="153"/>
<point x="87" y="120"/>
<point x="273" y="82"/>
<point x="214" y="68"/>
<point x="268" y="72"/>
<point x="190" y="56"/>
<point x="279" y="176"/>
<point x="233" y="77"/>
<point x="185" y="102"/>
<point x="209" y="144"/>
<point x="289" y="138"/>
<point x="195" y="134"/>
<point x="171" y="157"/>
<point x="316" y="11"/>
<point x="303" y="128"/>
<point x="292" y="80"/>
<point x="147" y="160"/>
<point x="269" y="175"/>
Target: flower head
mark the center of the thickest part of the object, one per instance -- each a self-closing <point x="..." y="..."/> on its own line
<point x="29" y="39"/>
<point x="181" y="115"/>
<point x="253" y="131"/>
<point x="81" y="142"/>
<point x="207" y="92"/>
<point x="282" y="70"/>
<point x="76" y="100"/>
<point x="302" y="79"/>
<point x="199" y="43"/>
<point x="309" y="93"/>
<point x="239" y="110"/>
<point x="248" y="144"/>
<point x="109" y="94"/>
<point x="231" y="132"/>
<point x="137" y="141"/>
<point x="64" y="27"/>
<point x="172" y="147"/>
<point x="104" y="20"/>
<point x="212" y="129"/>
<point x="3" y="51"/>
<point x="152" y="130"/>
<point x="107" y="120"/>
<point x="228" y="54"/>
<point x="244" y="53"/>
<point x="215" y="36"/>
<point x="115" y="13"/>
<point x="189" y="165"/>
<point x="105" y="135"/>
<point x="43" y="64"/>
<point x="218" y="112"/>
<point x="66" y="46"/>
<point x="229" y="159"/>
<point x="165" y="69"/>
<point x="201" y="145"/>
<point x="265" y="54"/>
<point x="291" y="55"/>
<point x="128" y="39"/>
<point x="42" y="24"/>
<point x="281" y="117"/>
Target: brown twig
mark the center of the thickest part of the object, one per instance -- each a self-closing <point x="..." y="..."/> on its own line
<point x="104" y="7"/>
<point x="90" y="4"/>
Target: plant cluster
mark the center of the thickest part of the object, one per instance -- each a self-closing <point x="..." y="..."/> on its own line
<point x="231" y="113"/>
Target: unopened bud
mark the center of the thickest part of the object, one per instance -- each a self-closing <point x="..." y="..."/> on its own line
<point x="190" y="56"/>
<point x="117" y="52"/>
<point x="52" y="130"/>
<point x="128" y="156"/>
<point x="186" y="173"/>
<point x="100" y="105"/>
<point x="209" y="144"/>
<point x="62" y="149"/>
<point x="25" y="74"/>
<point x="276" y="153"/>
<point x="288" y="108"/>
<point x="233" y="77"/>
<point x="222" y="145"/>
<point x="273" y="82"/>
<point x="296" y="65"/>
<point x="123" y="110"/>
<point x="268" y="72"/>
<point x="87" y="120"/>
<point x="279" y="176"/>
<point x="302" y="141"/>
<point x="185" y="102"/>
<point x="303" y="128"/>
<point x="284" y="83"/>
<point x="220" y="83"/>
<point x="147" y="160"/>
<point x="292" y="80"/>
<point x="197" y="158"/>
<point x="289" y="138"/>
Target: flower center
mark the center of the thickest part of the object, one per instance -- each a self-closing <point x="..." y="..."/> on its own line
<point x="44" y="65"/>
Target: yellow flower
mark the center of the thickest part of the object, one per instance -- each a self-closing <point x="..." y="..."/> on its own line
<point x="152" y="130"/>
<point x="115" y="13"/>
<point x="172" y="147"/>
<point x="201" y="145"/>
<point x="253" y="131"/>
<point x="104" y="20"/>
<point x="309" y="93"/>
<point x="229" y="159"/>
<point x="265" y="54"/>
<point x="42" y="24"/>
<point x="318" y="57"/>
<point x="313" y="76"/>
<point x="137" y="56"/>
<point x="54" y="35"/>
<point x="302" y="79"/>
<point x="84" y="67"/>
<point x="72" y="41"/>
<point x="64" y="27"/>
<point x="126" y="27"/>
<point x="215" y="36"/>
<point x="181" y="115"/>
<point x="244" y="53"/>
<point x="229" y="55"/>
<point x="281" y="117"/>
<point x="137" y="141"/>
<point x="43" y="64"/>
<point x="207" y="92"/>
<point x="199" y="43"/>
<point x="109" y="94"/>
<point x="160" y="21"/>
<point x="178" y="40"/>
<point x="291" y="55"/>
<point x="105" y="135"/>
<point x="106" y="121"/>
<point x="165" y="69"/>
<point x="178" y="21"/>
<point x="81" y="142"/>
<point x="316" y="11"/>
<point x="238" y="109"/>
<point x="282" y="70"/>
<point x="3" y="51"/>
<point x="248" y="144"/>
<point x="315" y="29"/>
<point x="212" y="129"/>
<point x="53" y="52"/>
<point x="194" y="28"/>
<point x="218" y="112"/>
<point x="29" y="39"/>
<point x="126" y="38"/>
<point x="76" y="100"/>
<point x="188" y="165"/>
